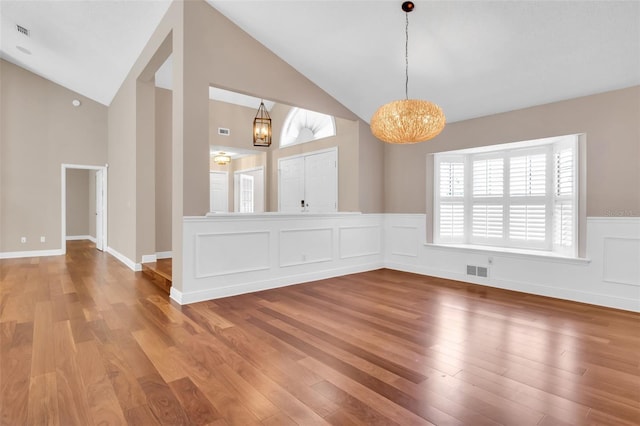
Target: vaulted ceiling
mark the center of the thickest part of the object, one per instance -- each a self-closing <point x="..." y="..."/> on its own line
<point x="473" y="58"/>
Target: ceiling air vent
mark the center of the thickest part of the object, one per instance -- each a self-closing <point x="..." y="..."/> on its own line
<point x="22" y="30"/>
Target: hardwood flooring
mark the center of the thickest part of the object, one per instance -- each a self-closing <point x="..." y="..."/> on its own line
<point x="85" y="341"/>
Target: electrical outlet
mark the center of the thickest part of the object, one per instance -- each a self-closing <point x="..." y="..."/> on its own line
<point x="23" y="240"/>
<point x="490" y="261"/>
<point x="42" y="239"/>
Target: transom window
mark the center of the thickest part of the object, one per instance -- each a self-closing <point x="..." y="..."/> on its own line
<point x="519" y="195"/>
<point x="302" y="125"/>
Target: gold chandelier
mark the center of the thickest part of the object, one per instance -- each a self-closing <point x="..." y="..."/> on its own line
<point x="221" y="159"/>
<point x="408" y="120"/>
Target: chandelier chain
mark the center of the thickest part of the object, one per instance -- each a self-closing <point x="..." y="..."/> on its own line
<point x="406" y="56"/>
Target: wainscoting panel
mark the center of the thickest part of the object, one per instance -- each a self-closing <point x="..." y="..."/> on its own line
<point x="359" y="241"/>
<point x="231" y="253"/>
<point x="608" y="276"/>
<point x="302" y="246"/>
<point x="404" y="240"/>
<point x="622" y="260"/>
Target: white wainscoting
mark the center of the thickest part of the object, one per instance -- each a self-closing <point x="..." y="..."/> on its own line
<point x="229" y="254"/>
<point x="610" y="276"/>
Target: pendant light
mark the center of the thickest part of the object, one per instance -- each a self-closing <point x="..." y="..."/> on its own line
<point x="262" y="127"/>
<point x="409" y="120"/>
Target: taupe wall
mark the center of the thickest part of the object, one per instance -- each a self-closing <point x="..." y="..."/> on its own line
<point x="40" y="130"/>
<point x="609" y="120"/>
<point x="78" y="206"/>
<point x="163" y="169"/>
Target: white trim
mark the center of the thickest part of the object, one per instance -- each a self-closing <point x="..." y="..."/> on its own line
<point x="124" y="259"/>
<point x="149" y="258"/>
<point x="32" y="253"/>
<point x="613" y="219"/>
<point x="250" y="287"/>
<point x="164" y="255"/>
<point x="63" y="201"/>
<point x="523" y="287"/>
<point x="511" y="252"/>
<point x="80" y="237"/>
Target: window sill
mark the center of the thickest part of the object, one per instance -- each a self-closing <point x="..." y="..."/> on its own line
<point x="512" y="252"/>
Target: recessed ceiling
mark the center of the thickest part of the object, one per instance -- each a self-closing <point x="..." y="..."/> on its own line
<point x="473" y="58"/>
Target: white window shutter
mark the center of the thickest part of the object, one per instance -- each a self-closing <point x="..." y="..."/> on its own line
<point x="527" y="222"/>
<point x="487" y="221"/>
<point x="451" y="221"/>
<point x="527" y="175"/>
<point x="488" y="177"/>
<point x="451" y="179"/>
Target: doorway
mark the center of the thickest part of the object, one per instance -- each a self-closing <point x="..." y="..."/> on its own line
<point x="98" y="187"/>
<point x="309" y="182"/>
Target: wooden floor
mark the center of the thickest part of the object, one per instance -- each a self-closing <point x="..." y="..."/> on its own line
<point x="85" y="341"/>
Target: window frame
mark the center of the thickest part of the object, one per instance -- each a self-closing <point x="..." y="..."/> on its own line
<point x="551" y="148"/>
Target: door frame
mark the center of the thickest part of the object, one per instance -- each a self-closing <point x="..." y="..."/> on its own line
<point x="63" y="202"/>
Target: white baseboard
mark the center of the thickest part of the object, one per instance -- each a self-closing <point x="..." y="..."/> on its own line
<point x="80" y="237"/>
<point x="530" y="288"/>
<point x="148" y="258"/>
<point x="164" y="255"/>
<point x="31" y="253"/>
<point x="124" y="259"/>
<point x="234" y="290"/>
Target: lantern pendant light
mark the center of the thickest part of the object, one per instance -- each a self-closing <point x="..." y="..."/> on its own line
<point x="262" y="127"/>
<point x="409" y="120"/>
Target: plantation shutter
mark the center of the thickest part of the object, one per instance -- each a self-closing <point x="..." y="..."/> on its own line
<point x="564" y="197"/>
<point x="450" y="201"/>
<point x="488" y="191"/>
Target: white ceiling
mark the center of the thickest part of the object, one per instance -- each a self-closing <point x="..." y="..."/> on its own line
<point x="474" y="58"/>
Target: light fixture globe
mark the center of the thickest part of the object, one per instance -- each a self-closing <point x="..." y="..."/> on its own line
<point x="407" y="121"/>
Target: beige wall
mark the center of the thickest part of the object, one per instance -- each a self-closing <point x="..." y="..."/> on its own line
<point x="132" y="144"/>
<point x="371" y="170"/>
<point x="78" y="202"/>
<point x="40" y="130"/>
<point x="163" y="169"/>
<point x="609" y="120"/>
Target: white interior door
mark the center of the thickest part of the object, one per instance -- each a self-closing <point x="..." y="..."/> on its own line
<point x="321" y="182"/>
<point x="291" y="184"/>
<point x="219" y="192"/>
<point x="99" y="209"/>
<point x="248" y="189"/>
<point x="309" y="182"/>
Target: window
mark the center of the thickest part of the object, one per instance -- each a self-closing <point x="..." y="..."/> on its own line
<point x="302" y="126"/>
<point x="520" y="195"/>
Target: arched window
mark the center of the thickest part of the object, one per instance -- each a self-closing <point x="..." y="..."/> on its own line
<point x="303" y="126"/>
